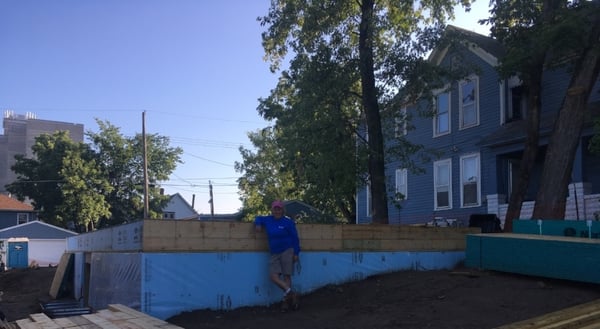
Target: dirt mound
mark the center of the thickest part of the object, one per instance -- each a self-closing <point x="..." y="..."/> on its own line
<point x="463" y="298"/>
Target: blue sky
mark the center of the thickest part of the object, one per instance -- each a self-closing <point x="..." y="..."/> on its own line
<point x="195" y="67"/>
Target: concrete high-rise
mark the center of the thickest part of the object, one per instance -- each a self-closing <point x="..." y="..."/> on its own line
<point x="19" y="136"/>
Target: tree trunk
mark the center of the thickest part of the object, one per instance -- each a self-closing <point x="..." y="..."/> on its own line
<point x="550" y="201"/>
<point x="531" y="148"/>
<point x="535" y="72"/>
<point x="348" y="209"/>
<point x="376" y="165"/>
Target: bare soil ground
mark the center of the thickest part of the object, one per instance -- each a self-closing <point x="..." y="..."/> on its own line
<point x="23" y="290"/>
<point x="458" y="298"/>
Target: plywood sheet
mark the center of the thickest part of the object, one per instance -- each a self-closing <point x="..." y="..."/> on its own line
<point x="241" y="236"/>
<point x="117" y="316"/>
<point x="61" y="275"/>
<point x="579" y="316"/>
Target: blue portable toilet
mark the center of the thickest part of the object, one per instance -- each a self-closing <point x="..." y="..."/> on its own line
<point x="17" y="253"/>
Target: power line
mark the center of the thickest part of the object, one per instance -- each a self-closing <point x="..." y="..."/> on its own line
<point x="40" y="181"/>
<point x="129" y="110"/>
<point x="200" y="185"/>
<point x="195" y="190"/>
<point x="206" y="142"/>
<point x="190" y="180"/>
<point x="209" y="160"/>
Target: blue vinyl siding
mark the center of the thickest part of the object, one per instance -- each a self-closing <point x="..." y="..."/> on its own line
<point x="595" y="94"/>
<point x="494" y="158"/>
<point x="9" y="218"/>
<point x="36" y="230"/>
<point x="361" y="206"/>
<point x="554" y="86"/>
<point x="419" y="208"/>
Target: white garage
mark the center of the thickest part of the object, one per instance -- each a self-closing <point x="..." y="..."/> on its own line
<point x="33" y="243"/>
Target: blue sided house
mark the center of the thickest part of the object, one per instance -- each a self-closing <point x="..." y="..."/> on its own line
<point x="477" y="133"/>
<point x="14" y="212"/>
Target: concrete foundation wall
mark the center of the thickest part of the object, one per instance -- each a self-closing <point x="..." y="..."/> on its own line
<point x="163" y="268"/>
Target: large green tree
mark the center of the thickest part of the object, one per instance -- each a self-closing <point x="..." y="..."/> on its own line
<point x="84" y="190"/>
<point x="314" y="110"/>
<point x="98" y="184"/>
<point x="370" y="32"/>
<point x="265" y="178"/>
<point x="63" y="180"/>
<point x="121" y="161"/>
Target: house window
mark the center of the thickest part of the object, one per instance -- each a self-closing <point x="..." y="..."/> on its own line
<point x="470" y="182"/>
<point x="401" y="124"/>
<point x="469" y="103"/>
<point x="442" y="186"/>
<point x="401" y="184"/>
<point x="517" y="103"/>
<point x="441" y="121"/>
<point x="22" y="218"/>
<point x="168" y="215"/>
<point x="516" y="100"/>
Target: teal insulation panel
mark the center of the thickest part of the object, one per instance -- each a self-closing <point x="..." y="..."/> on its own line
<point x="557" y="227"/>
<point x="569" y="258"/>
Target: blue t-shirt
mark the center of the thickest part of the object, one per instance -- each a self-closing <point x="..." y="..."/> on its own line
<point x="281" y="233"/>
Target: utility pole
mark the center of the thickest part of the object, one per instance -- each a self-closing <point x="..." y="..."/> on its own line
<point x="211" y="201"/>
<point x="145" y="160"/>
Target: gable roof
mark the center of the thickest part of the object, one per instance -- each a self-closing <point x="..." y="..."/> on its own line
<point x="180" y="206"/>
<point x="297" y="208"/>
<point x="36" y="230"/>
<point x="178" y="198"/>
<point x="10" y="204"/>
<point x="487" y="48"/>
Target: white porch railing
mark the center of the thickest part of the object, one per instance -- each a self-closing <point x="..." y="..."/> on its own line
<point x="581" y="205"/>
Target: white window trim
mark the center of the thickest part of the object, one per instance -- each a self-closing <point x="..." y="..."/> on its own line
<point x="506" y="95"/>
<point x="478" y="163"/>
<point x="435" y="117"/>
<point x="26" y="215"/>
<point x="401" y="176"/>
<point x="447" y="162"/>
<point x="502" y="102"/>
<point x="369" y="201"/>
<point x="475" y="79"/>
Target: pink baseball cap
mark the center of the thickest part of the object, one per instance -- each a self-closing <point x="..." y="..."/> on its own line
<point x="277" y="204"/>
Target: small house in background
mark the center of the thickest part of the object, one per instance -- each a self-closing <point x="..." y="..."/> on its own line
<point x="14" y="212"/>
<point x="33" y="243"/>
<point x="304" y="213"/>
<point x="179" y="208"/>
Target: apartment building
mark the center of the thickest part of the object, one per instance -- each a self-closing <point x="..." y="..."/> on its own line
<point x="19" y="136"/>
